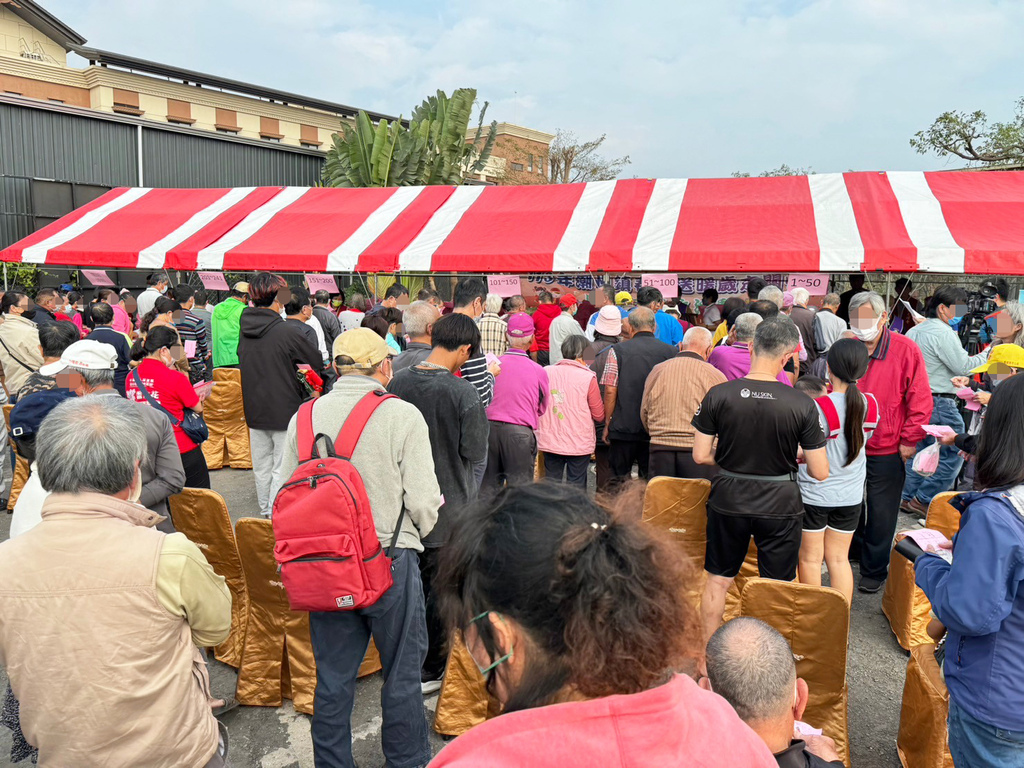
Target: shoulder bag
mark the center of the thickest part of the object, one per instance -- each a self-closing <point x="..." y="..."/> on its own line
<point x="193" y="424"/>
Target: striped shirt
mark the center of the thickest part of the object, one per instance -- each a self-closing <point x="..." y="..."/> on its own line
<point x="493" y="334"/>
<point x="673" y="392"/>
<point x="475" y="372"/>
<point x="191" y="328"/>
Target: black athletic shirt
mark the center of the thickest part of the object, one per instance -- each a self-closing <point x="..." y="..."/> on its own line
<point x="759" y="426"/>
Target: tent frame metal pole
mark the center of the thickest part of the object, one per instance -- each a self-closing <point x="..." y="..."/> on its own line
<point x="5" y="275"/>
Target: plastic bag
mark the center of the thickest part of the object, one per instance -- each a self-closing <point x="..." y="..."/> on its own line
<point x="927" y="461"/>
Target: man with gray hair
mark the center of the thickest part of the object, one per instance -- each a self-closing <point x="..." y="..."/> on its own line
<point x="761" y="424"/>
<point x="828" y="326"/>
<point x="803" y="316"/>
<point x="90" y="368"/>
<point x="733" y="358"/>
<point x="898" y="379"/>
<point x="96" y="569"/>
<point x="773" y="294"/>
<point x="494" y="329"/>
<point x="672" y="394"/>
<point x="418" y="322"/>
<point x="751" y="666"/>
<point x="625" y="374"/>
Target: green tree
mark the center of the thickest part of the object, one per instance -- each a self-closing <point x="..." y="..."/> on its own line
<point x="970" y="136"/>
<point x="432" y="149"/>
<point x="782" y="170"/>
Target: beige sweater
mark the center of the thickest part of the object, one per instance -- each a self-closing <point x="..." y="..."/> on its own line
<point x="99" y="616"/>
<point x="20" y="336"/>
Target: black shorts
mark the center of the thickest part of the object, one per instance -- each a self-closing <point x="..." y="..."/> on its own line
<point x="838" y="519"/>
<point x="777" y="541"/>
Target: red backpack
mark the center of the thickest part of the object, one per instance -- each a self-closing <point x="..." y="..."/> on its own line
<point x="326" y="543"/>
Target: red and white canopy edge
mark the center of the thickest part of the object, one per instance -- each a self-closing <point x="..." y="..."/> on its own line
<point x="949" y="222"/>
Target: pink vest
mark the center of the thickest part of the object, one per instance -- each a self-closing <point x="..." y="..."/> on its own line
<point x="567" y="428"/>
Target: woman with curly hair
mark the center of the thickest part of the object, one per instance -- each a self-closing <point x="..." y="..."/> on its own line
<point x="575" y="615"/>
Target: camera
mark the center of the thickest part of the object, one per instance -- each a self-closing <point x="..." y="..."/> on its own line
<point x="980" y="304"/>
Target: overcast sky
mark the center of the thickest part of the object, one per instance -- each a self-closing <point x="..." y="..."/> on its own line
<point x="687" y="89"/>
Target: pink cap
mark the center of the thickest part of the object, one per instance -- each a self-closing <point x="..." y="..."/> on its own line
<point x="520" y="325"/>
<point x="788" y="300"/>
<point x="609" y="321"/>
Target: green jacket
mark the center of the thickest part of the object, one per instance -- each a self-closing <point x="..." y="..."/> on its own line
<point x="224" y="324"/>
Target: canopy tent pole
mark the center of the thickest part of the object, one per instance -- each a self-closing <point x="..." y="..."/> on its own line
<point x="5" y="275"/>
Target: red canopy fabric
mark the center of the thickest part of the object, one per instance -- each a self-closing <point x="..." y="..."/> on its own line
<point x="952" y="222"/>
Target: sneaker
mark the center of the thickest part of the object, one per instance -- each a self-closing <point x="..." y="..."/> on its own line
<point x="430" y="687"/>
<point x="869" y="586"/>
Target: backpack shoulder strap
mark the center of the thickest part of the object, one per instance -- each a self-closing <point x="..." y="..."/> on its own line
<point x="352" y="429"/>
<point x="831" y="416"/>
<point x="304" y="431"/>
<point x="871" y="417"/>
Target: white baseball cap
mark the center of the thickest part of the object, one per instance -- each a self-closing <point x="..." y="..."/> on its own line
<point x="91" y="355"/>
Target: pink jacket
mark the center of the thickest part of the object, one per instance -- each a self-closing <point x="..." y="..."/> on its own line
<point x="675" y="724"/>
<point x="567" y="427"/>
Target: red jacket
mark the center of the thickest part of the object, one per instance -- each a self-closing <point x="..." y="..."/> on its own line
<point x="675" y="724"/>
<point x="542" y="324"/>
<point x="899" y="381"/>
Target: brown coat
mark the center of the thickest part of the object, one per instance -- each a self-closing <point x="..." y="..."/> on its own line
<point x="105" y="674"/>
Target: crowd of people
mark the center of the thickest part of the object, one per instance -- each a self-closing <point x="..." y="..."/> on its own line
<point x="805" y="416"/>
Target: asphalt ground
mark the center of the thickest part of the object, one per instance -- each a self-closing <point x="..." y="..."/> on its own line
<point x="279" y="737"/>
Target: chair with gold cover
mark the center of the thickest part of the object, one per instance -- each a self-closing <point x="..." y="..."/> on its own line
<point x="816" y="623"/>
<point x="203" y="517"/>
<point x="228" y="374"/>
<point x="679" y="507"/>
<point x="228" y="443"/>
<point x="21" y="465"/>
<point x="903" y="603"/>
<point x="277" y="656"/>
<point x="923" y="738"/>
<point x="464" y="700"/>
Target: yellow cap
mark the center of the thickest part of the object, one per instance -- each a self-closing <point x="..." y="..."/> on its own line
<point x="364" y="346"/>
<point x="1007" y="355"/>
<point x="623" y="297"/>
<point x="241" y="287"/>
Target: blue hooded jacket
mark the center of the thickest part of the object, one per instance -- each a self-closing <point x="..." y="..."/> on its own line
<point x="980" y="599"/>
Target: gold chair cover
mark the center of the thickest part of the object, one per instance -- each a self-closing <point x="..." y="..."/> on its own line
<point x="679" y="507"/>
<point x="903" y="603"/>
<point x="21" y="465"/>
<point x="228" y="374"/>
<point x="923" y="738"/>
<point x="228" y="443"/>
<point x="816" y="622"/>
<point x="464" y="700"/>
<point x="203" y="517"/>
<point x="747" y="572"/>
<point x="277" y="657"/>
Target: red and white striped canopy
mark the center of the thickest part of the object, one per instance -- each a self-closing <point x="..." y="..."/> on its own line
<point x="953" y="222"/>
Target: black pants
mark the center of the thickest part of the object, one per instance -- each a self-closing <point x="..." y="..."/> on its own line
<point x="603" y="471"/>
<point x="543" y="357"/>
<point x="197" y="474"/>
<point x="877" y="526"/>
<point x="622" y="454"/>
<point x="511" y="454"/>
<point x="574" y="467"/>
<point x="437" y="652"/>
<point x="678" y="462"/>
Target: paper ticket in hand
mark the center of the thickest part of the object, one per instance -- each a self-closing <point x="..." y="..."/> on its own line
<point x="938" y="430"/>
<point x="804" y="729"/>
<point x="931" y="541"/>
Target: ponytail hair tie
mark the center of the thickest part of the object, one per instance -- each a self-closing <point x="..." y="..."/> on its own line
<point x="597" y="527"/>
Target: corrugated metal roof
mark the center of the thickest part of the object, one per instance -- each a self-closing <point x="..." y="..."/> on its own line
<point x="16" y="216"/>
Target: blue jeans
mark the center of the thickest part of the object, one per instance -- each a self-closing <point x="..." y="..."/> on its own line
<point x="944" y="411"/>
<point x="398" y="625"/>
<point x="974" y="744"/>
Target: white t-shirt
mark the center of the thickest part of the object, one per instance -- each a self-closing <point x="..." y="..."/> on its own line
<point x="845" y="484"/>
<point x="28" y="510"/>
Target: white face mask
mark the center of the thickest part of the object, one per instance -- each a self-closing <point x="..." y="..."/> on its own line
<point x="136" y="492"/>
<point x="867" y="335"/>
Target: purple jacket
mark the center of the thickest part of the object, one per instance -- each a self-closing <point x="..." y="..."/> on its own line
<point x="520" y="391"/>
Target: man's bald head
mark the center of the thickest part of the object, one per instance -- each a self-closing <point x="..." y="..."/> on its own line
<point x="642" y="319"/>
<point x="751" y="666"/>
<point x="698" y="340"/>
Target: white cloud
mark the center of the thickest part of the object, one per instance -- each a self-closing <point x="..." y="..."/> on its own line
<point x="685" y="88"/>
